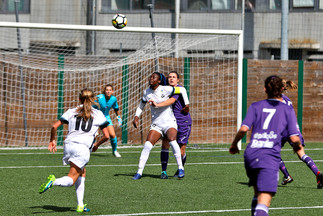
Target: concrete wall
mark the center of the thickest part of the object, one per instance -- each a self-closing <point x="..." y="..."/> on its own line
<point x="260" y="27"/>
<point x="259" y="70"/>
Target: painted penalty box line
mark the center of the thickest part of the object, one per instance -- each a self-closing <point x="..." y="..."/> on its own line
<point x="120" y="165"/>
<point x="213" y="211"/>
<point x="131" y="165"/>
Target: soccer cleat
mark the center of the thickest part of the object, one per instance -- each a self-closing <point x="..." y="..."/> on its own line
<point x="176" y="174"/>
<point x="46" y="186"/>
<point x="319" y="179"/>
<point x="116" y="154"/>
<point x="136" y="177"/>
<point x="287" y="180"/>
<point x="164" y="175"/>
<point x="82" y="208"/>
<point x="180" y="173"/>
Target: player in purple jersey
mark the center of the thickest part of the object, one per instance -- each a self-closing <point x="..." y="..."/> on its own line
<point x="83" y="122"/>
<point x="290" y="85"/>
<point x="184" y="122"/>
<point x="269" y="119"/>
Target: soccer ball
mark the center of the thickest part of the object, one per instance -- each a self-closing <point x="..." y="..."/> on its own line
<point x="119" y="21"/>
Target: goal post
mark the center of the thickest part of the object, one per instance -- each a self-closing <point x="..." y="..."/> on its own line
<point x="55" y="67"/>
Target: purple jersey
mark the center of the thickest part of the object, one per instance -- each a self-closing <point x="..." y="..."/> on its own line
<point x="288" y="101"/>
<point x="182" y="119"/>
<point x="269" y="120"/>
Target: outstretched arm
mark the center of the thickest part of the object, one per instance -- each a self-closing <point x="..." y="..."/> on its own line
<point x="167" y="102"/>
<point x="52" y="141"/>
<point x="240" y="134"/>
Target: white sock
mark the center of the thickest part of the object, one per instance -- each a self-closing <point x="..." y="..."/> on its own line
<point x="177" y="153"/>
<point x="144" y="156"/>
<point x="79" y="189"/>
<point x="64" y="181"/>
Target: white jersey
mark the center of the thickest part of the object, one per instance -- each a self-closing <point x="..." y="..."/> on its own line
<point x="159" y="115"/>
<point x="80" y="132"/>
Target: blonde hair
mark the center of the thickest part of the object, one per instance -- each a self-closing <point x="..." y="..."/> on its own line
<point x="289" y="85"/>
<point x="87" y="98"/>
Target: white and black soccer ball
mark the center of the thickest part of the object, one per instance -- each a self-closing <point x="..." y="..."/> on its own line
<point x="119" y="21"/>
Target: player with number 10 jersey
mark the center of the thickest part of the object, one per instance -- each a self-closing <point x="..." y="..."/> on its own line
<point x="80" y="132"/>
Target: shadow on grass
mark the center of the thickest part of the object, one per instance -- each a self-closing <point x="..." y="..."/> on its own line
<point x="143" y="176"/>
<point x="243" y="183"/>
<point x="107" y="155"/>
<point x="52" y="208"/>
<point x="281" y="186"/>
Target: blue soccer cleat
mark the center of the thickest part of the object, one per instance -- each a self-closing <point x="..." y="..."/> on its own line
<point x="137" y="176"/>
<point x="46" y="186"/>
<point x="82" y="208"/>
<point x="181" y="173"/>
<point x="164" y="175"/>
<point x="176" y="174"/>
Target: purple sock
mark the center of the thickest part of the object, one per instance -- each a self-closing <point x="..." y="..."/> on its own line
<point x="261" y="210"/>
<point x="164" y="155"/>
<point x="310" y="163"/>
<point x="282" y="168"/>
<point x="254" y="203"/>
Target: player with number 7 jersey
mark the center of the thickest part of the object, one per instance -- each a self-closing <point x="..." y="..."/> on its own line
<point x="275" y="117"/>
<point x="269" y="120"/>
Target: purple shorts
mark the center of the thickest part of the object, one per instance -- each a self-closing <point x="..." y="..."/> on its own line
<point x="183" y="133"/>
<point x="265" y="179"/>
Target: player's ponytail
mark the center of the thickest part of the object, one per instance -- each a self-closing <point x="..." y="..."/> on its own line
<point x="289" y="85"/>
<point x="87" y="98"/>
<point x="274" y="86"/>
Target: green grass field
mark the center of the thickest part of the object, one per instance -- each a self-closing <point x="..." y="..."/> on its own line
<point x="215" y="183"/>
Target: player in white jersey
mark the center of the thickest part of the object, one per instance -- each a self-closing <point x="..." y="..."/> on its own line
<point x="83" y="123"/>
<point x="163" y="122"/>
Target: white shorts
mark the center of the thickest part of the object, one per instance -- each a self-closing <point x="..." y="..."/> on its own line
<point x="162" y="128"/>
<point x="78" y="154"/>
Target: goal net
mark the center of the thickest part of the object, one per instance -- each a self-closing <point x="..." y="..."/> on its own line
<point x="44" y="66"/>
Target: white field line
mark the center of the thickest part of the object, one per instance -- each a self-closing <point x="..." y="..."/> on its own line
<point x="122" y="165"/>
<point x="101" y="152"/>
<point x="213" y="211"/>
<point x="156" y="149"/>
<point x="197" y="149"/>
<point x="135" y="165"/>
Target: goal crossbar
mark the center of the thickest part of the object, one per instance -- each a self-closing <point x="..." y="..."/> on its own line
<point x="111" y="28"/>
